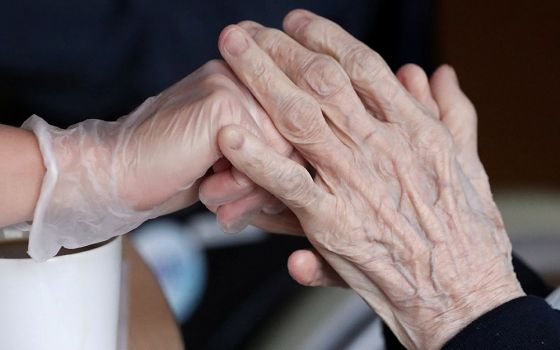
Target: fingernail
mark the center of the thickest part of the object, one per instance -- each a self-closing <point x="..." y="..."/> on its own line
<point x="236" y="226"/>
<point x="212" y="203"/>
<point x="252" y="28"/>
<point x="235" y="139"/>
<point x="235" y="42"/>
<point x="297" y="21"/>
<point x="273" y="209"/>
<point x="241" y="179"/>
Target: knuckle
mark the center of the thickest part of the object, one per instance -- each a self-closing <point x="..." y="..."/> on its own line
<point x="217" y="81"/>
<point x="264" y="164"/>
<point x="324" y="75"/>
<point x="219" y="94"/>
<point x="260" y="74"/>
<point x="269" y="37"/>
<point x="435" y="139"/>
<point x="295" y="185"/>
<point x="221" y="98"/>
<point x="365" y="65"/>
<point x="301" y="117"/>
<point x="284" y="180"/>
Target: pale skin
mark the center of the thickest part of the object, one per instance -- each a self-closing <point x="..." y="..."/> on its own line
<point x="21" y="171"/>
<point x="399" y="206"/>
<point x="444" y="98"/>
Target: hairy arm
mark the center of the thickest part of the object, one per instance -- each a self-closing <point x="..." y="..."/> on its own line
<point x="21" y="174"/>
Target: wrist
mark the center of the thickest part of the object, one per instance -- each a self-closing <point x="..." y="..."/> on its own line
<point x="469" y="308"/>
<point x="22" y="173"/>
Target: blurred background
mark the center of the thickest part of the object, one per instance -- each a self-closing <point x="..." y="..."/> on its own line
<point x="69" y="61"/>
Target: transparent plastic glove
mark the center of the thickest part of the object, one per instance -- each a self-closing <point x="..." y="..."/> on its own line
<point x="106" y="178"/>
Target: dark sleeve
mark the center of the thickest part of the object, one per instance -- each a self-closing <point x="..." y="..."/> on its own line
<point x="523" y="323"/>
<point x="530" y="281"/>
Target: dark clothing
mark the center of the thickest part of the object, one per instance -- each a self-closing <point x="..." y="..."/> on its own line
<point x="524" y="323"/>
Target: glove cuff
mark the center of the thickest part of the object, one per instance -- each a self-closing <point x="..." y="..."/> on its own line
<point x="78" y="204"/>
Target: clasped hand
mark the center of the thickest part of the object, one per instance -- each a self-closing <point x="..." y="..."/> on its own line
<point x="399" y="205"/>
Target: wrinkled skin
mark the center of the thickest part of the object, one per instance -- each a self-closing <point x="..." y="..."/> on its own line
<point x="444" y="98"/>
<point x="399" y="206"/>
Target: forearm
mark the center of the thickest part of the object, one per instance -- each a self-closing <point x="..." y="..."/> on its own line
<point x="21" y="174"/>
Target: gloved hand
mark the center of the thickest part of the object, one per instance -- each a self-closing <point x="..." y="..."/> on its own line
<point x="106" y="178"/>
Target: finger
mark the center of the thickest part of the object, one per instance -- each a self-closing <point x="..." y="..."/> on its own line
<point x="180" y="200"/>
<point x="231" y="185"/>
<point x="265" y="127"/>
<point x="225" y="187"/>
<point x="236" y="205"/>
<point x="415" y="81"/>
<point x="280" y="176"/>
<point x="372" y="78"/>
<point x="308" y="268"/>
<point x="456" y="110"/>
<point x="234" y="217"/>
<point x="459" y="116"/>
<point x="283" y="223"/>
<point x="296" y="115"/>
<point x="320" y="76"/>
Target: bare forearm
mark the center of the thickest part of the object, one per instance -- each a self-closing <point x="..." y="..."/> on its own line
<point x="21" y="175"/>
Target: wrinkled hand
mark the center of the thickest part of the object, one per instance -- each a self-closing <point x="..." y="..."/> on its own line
<point x="443" y="97"/>
<point x="399" y="208"/>
<point x="106" y="178"/>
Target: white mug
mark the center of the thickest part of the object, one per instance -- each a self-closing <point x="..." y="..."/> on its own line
<point x="69" y="302"/>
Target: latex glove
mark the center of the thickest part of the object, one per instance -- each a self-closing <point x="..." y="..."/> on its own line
<point x="390" y="208"/>
<point x="106" y="178"/>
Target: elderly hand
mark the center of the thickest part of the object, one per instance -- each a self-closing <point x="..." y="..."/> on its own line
<point x="399" y="209"/>
<point x="106" y="178"/>
<point x="443" y="97"/>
